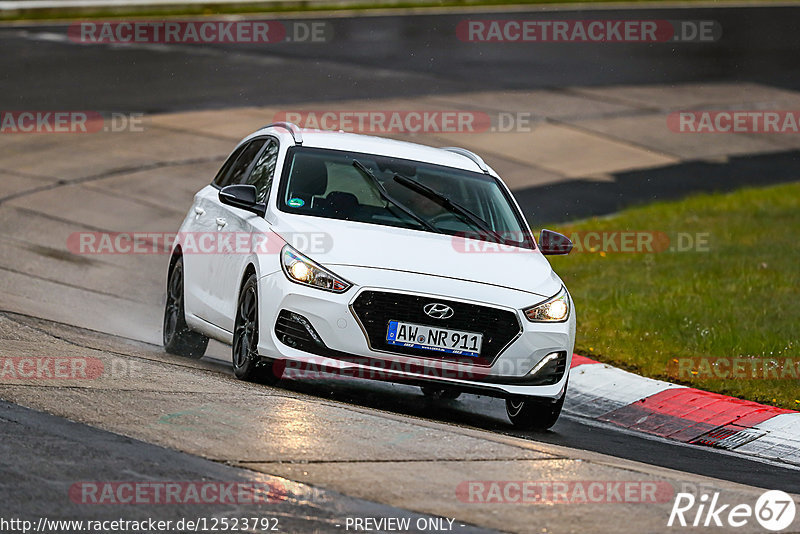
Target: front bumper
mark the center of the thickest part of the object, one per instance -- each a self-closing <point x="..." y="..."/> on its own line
<point x="337" y="341"/>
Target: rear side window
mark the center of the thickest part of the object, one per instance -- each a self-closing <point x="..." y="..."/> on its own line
<point x="235" y="168"/>
<point x="264" y="170"/>
<point x="226" y="167"/>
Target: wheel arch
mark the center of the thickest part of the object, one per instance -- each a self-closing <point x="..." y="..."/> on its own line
<point x="249" y="270"/>
<point x="177" y="253"/>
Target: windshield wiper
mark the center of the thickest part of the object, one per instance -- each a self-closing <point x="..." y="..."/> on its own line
<point x="388" y="198"/>
<point x="448" y="204"/>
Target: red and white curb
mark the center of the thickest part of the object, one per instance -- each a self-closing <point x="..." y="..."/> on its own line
<point x="604" y="393"/>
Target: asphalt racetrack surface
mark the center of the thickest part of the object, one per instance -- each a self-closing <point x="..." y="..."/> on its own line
<point x="375" y="57"/>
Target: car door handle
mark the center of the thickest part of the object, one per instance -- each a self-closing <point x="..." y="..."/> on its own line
<point x="199" y="211"/>
<point x="221" y="222"/>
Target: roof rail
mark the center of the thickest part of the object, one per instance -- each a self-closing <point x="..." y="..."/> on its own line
<point x="297" y="134"/>
<point x="471" y="155"/>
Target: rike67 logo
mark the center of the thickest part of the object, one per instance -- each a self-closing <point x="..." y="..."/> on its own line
<point x="774" y="510"/>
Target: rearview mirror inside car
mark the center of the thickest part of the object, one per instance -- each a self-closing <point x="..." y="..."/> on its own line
<point x="554" y="244"/>
<point x="243" y="197"/>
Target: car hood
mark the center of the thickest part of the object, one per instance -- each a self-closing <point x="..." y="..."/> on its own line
<point x="332" y="242"/>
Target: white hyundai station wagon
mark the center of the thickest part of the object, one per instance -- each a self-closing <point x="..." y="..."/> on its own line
<point x="369" y="257"/>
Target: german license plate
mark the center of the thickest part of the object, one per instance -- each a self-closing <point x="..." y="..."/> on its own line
<point x="434" y="339"/>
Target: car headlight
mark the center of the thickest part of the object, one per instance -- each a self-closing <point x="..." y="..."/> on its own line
<point x="302" y="270"/>
<point x="553" y="310"/>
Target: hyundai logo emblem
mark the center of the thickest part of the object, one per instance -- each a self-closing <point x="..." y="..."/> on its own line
<point x="438" y="311"/>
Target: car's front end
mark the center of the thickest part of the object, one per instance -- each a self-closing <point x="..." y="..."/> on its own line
<point x="508" y="341"/>
<point x="376" y="259"/>
<point x="363" y="289"/>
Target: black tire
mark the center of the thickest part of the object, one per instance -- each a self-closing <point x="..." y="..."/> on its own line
<point x="177" y="336"/>
<point x="534" y="413"/>
<point x="247" y="364"/>
<point x="437" y="393"/>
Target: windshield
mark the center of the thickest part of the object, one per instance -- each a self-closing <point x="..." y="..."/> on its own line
<point x="371" y="189"/>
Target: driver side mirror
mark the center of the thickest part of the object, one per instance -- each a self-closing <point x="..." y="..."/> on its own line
<point x="554" y="244"/>
<point x="243" y="197"/>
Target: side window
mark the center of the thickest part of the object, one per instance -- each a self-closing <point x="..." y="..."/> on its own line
<point x="264" y="171"/>
<point x="226" y="167"/>
<point x="236" y="172"/>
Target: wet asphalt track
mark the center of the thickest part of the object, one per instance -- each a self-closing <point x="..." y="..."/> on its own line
<point x="571" y="430"/>
<point x="417" y="55"/>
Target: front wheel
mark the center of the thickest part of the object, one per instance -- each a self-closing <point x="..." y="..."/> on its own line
<point x="534" y="413"/>
<point x="178" y="337"/>
<point x="247" y="364"/>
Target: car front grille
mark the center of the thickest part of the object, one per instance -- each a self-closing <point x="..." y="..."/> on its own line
<point x="374" y="309"/>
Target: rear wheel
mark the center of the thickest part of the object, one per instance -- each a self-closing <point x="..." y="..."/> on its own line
<point x="247" y="364"/>
<point x="534" y="413"/>
<point x="178" y="337"/>
<point x="438" y="393"/>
